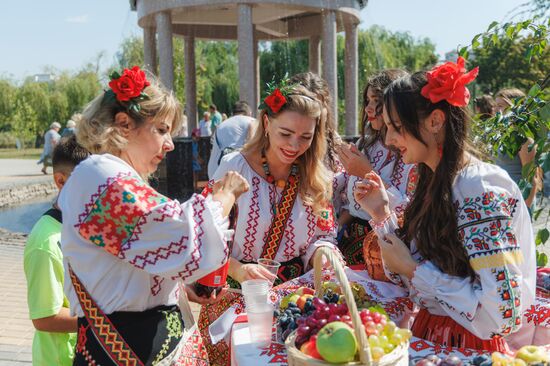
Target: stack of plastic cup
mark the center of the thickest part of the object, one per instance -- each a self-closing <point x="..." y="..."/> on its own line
<point x="260" y="323"/>
<point x="255" y="292"/>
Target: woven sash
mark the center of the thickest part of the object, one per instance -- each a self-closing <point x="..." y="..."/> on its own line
<point x="280" y="218"/>
<point x="105" y="332"/>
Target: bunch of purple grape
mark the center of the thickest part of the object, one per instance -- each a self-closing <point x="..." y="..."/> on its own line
<point x="309" y="325"/>
<point x="288" y="319"/>
<point x="433" y="360"/>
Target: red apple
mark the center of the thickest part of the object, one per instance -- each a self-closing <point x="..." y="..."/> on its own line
<point x="310" y="348"/>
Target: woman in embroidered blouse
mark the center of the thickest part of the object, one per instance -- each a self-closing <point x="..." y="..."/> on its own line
<point x="466" y="248"/>
<point x="128" y="245"/>
<point x="370" y="153"/>
<point x="281" y="158"/>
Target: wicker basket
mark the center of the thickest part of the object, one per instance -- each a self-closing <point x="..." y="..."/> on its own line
<point x="399" y="356"/>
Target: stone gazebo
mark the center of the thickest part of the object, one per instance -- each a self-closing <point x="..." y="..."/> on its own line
<point x="248" y="22"/>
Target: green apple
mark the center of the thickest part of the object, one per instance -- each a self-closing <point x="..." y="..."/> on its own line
<point x="336" y="343"/>
<point x="532" y="354"/>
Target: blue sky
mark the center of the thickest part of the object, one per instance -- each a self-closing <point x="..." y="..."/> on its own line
<point x="67" y="34"/>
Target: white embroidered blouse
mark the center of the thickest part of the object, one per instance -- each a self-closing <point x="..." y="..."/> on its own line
<point x="400" y="181"/>
<point x="496" y="231"/>
<point x="304" y="231"/>
<point x="128" y="244"/>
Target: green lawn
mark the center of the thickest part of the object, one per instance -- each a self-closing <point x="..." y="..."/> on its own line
<point x="20" y="154"/>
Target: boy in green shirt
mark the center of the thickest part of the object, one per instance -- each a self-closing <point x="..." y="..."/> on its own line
<point x="55" y="336"/>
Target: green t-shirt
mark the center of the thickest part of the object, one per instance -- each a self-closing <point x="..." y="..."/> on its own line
<point x="43" y="263"/>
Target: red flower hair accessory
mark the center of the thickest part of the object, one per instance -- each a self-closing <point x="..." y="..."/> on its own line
<point x="275" y="101"/>
<point x="128" y="87"/>
<point x="448" y="82"/>
<point x="276" y="98"/>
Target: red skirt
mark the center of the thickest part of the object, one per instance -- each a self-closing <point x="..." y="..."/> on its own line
<point x="445" y="331"/>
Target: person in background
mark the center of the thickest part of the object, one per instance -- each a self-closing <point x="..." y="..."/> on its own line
<point x="55" y="336"/>
<point x="205" y="125"/>
<point x="231" y="135"/>
<point x="51" y="138"/>
<point x="485" y="106"/>
<point x="224" y="117"/>
<point x="197" y="160"/>
<point x="513" y="165"/>
<point x="69" y="129"/>
<point x="215" y="117"/>
<point x="370" y="153"/>
<point x="466" y="250"/>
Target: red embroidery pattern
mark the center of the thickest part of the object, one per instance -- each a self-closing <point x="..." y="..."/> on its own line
<point x="397" y="174"/>
<point x="252" y="222"/>
<point x="290" y="244"/>
<point x="193" y="352"/>
<point x="151" y="257"/>
<point x="157" y="282"/>
<point x="325" y="221"/>
<point x="509" y="291"/>
<point x="116" y="212"/>
<point x="538" y="315"/>
<point x="198" y="232"/>
<point x="276" y="353"/>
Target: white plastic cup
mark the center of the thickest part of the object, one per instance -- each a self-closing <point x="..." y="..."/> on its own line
<point x="255" y="291"/>
<point x="271" y="265"/>
<point x="260" y="323"/>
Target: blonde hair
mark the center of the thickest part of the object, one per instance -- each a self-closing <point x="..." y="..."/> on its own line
<point x="315" y="179"/>
<point x="97" y="131"/>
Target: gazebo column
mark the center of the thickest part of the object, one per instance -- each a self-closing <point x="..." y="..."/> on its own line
<point x="165" y="49"/>
<point x="314" y="61"/>
<point x="150" y="49"/>
<point x="190" y="83"/>
<point x="257" y="95"/>
<point x="351" y="75"/>
<point x="245" y="37"/>
<point x="329" y="59"/>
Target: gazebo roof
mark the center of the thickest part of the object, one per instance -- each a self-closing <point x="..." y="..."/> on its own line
<point x="272" y="19"/>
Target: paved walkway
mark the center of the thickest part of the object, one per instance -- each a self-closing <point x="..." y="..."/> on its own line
<point x="16" y="330"/>
<point x="15" y="171"/>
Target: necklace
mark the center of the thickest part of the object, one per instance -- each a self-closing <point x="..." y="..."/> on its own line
<point x="279" y="183"/>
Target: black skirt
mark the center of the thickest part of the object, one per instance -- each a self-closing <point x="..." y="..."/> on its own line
<point x="152" y="335"/>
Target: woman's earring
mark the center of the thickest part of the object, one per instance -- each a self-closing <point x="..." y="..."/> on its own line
<point x="440" y="150"/>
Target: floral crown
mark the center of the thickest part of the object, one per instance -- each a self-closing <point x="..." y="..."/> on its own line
<point x="276" y="96"/>
<point x="448" y="82"/>
<point x="128" y="87"/>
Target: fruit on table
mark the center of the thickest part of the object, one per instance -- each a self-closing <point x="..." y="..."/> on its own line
<point x="310" y="348"/>
<point x="305" y="291"/>
<point x="301" y="302"/>
<point x="288" y="298"/>
<point x="532" y="354"/>
<point x="336" y="343"/>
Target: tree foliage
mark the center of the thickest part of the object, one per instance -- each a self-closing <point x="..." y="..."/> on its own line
<point x="529" y="117"/>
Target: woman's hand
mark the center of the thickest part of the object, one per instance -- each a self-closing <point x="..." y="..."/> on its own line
<point x="228" y="189"/>
<point x="354" y="161"/>
<point x="396" y="256"/>
<point x="214" y="298"/>
<point x="249" y="271"/>
<point x="371" y="194"/>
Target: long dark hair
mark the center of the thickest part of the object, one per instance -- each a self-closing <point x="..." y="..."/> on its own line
<point x="430" y="219"/>
<point x="377" y="83"/>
